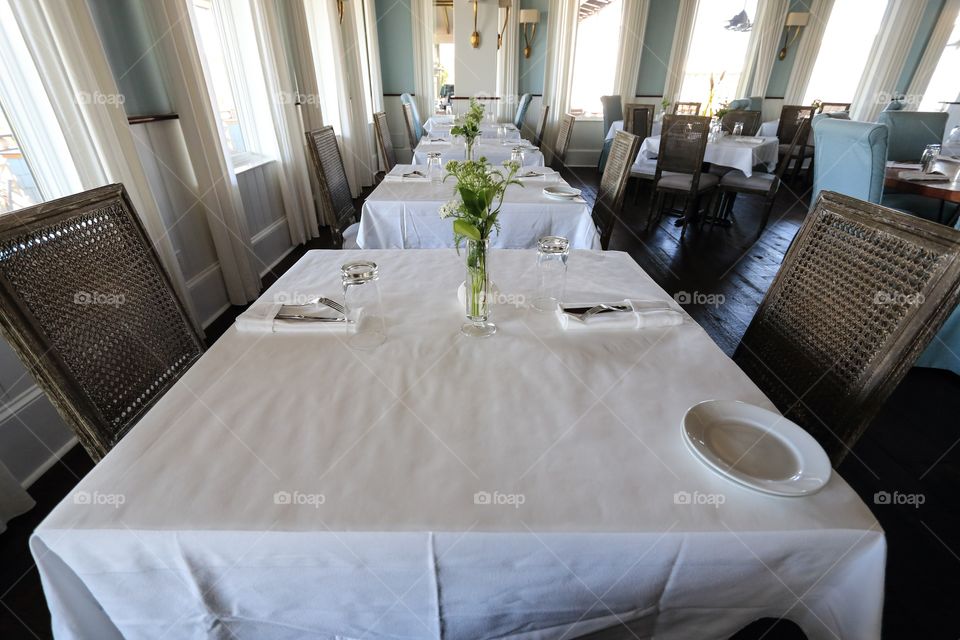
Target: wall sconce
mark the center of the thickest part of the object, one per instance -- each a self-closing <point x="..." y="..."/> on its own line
<point x="475" y="36"/>
<point x="504" y="4"/>
<point x="529" y="17"/>
<point x="798" y="20"/>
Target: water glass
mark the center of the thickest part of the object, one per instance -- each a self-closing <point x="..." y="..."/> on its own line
<point x="552" y="254"/>
<point x="501" y="133"/>
<point x="738" y="129"/>
<point x="434" y="167"/>
<point x="364" y="307"/>
<point x="517" y="155"/>
<point x="926" y="160"/>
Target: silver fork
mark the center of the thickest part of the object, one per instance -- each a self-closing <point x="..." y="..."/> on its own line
<point x="333" y="304"/>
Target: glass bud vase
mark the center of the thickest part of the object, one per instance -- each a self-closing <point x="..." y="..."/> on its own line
<point x="477" y="287"/>
<point x="468" y="150"/>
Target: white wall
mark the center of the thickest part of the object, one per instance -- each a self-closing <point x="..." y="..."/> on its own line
<point x="475" y="69"/>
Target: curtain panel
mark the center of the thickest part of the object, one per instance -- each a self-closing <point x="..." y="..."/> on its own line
<point x="682" y="35"/>
<point x="424" y="18"/>
<point x="763" y="48"/>
<point x="885" y="63"/>
<point x="931" y="55"/>
<point x="508" y="65"/>
<point x="558" y="74"/>
<point x="807" y="49"/>
<point x="632" y="29"/>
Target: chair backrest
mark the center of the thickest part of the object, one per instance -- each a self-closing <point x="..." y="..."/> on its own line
<point x="850" y="157"/>
<point x="740" y="104"/>
<point x="833" y="107"/>
<point x="332" y="177"/>
<point x="860" y="293"/>
<point x="911" y="131"/>
<point x="791" y="115"/>
<point x="756" y="103"/>
<point x="409" y="121"/>
<point x="750" y="120"/>
<point x="612" y="111"/>
<point x="406" y="98"/>
<point x="799" y="138"/>
<point x="638" y="119"/>
<point x="563" y="138"/>
<point x="522" y="106"/>
<point x="384" y="141"/>
<point x="613" y="184"/>
<point x="686" y="108"/>
<point x="90" y="311"/>
<point x="541" y="126"/>
<point x="683" y="142"/>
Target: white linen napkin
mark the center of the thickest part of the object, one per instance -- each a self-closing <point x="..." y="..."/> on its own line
<point x="261" y="318"/>
<point x="750" y="140"/>
<point x="646" y="314"/>
<point x="434" y="142"/>
<point x="541" y="174"/>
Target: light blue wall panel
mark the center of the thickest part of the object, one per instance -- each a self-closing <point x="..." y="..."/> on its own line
<point x="395" y="34"/>
<point x="658" y="40"/>
<point x="927" y="22"/>
<point x="532" y="69"/>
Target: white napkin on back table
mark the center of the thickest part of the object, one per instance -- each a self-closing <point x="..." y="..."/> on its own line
<point x="261" y="318"/>
<point x="646" y="314"/>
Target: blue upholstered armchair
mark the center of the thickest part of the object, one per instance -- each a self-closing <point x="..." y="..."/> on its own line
<point x="850" y="158"/>
<point x="612" y="111"/>
<point x="911" y="131"/>
<point x="739" y="104"/>
<point x="522" y="107"/>
<point x="406" y="98"/>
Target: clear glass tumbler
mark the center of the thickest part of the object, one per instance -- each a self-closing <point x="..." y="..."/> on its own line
<point x="501" y="134"/>
<point x="552" y="254"/>
<point x="434" y="166"/>
<point x="926" y="160"/>
<point x="364" y="307"/>
<point x="517" y="155"/>
<point x="738" y="129"/>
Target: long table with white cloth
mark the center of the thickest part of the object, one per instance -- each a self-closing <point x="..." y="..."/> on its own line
<point x="495" y="152"/>
<point x="403" y="213"/>
<point x="441" y="126"/>
<point x="521" y="486"/>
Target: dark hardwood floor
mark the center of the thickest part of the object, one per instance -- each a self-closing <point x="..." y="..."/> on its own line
<point x="911" y="447"/>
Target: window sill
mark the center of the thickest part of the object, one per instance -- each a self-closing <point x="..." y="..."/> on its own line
<point x="589" y="118"/>
<point x="246" y="161"/>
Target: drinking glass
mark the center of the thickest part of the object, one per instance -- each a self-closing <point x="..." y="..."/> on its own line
<point x="552" y="253"/>
<point x="434" y="167"/>
<point x="517" y="155"/>
<point x="926" y="160"/>
<point x="501" y="133"/>
<point x="364" y="308"/>
<point x="738" y="129"/>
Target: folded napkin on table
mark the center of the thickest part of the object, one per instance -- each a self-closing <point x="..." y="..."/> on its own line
<point x="406" y="176"/>
<point x="751" y="140"/>
<point x="646" y="314"/>
<point x="261" y="318"/>
<point x="538" y="173"/>
<point x="920" y="176"/>
<point x="432" y="142"/>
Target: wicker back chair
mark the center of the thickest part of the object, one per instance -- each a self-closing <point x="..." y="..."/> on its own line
<point x="384" y="141"/>
<point x="541" y="126"/>
<point x="613" y="184"/>
<point x="860" y="293"/>
<point x="638" y="119"/>
<point x="332" y="179"/>
<point x="834" y="107"/>
<point x="683" y="142"/>
<point x="750" y="120"/>
<point x="563" y="139"/>
<point x="90" y="311"/>
<point x="791" y="117"/>
<point x="410" y="120"/>
<point x="686" y="108"/>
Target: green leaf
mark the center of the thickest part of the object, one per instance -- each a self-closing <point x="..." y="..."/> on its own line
<point x="466" y="229"/>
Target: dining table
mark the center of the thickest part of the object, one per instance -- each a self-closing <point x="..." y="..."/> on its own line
<point x="942" y="190"/>
<point x="440" y="125"/>
<point x="403" y="213"/>
<point x="453" y="148"/>
<point x="529" y="485"/>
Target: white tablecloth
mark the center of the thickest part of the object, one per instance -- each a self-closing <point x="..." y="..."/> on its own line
<point x="618" y="126"/>
<point x="406" y="215"/>
<point x="441" y="125"/>
<point x="493" y="151"/>
<point x="727" y="152"/>
<point x="522" y="486"/>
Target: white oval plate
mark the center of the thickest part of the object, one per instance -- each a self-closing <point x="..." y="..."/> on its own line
<point x="567" y="193"/>
<point x="755" y="447"/>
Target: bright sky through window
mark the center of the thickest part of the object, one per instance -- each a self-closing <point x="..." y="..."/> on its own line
<point x="594" y="66"/>
<point x="213" y="51"/>
<point x="945" y="83"/>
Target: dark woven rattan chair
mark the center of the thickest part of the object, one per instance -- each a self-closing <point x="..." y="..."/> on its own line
<point x="541" y="126"/>
<point x="791" y="117"/>
<point x="409" y="119"/>
<point x="683" y="141"/>
<point x="334" y="188"/>
<point x="834" y="107"/>
<point x="860" y="293"/>
<point x="563" y="139"/>
<point x="613" y="184"/>
<point x="86" y="305"/>
<point x="759" y="184"/>
<point x="384" y="141"/>
<point x="686" y="108"/>
<point x="638" y="119"/>
<point x="750" y="120"/>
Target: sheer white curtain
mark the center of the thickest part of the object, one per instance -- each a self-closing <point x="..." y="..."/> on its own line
<point x="294" y="175"/>
<point x="686" y="16"/>
<point x="66" y="49"/>
<point x="508" y="61"/>
<point x="765" y="42"/>
<point x="885" y="62"/>
<point x="807" y="48"/>
<point x="931" y="55"/>
<point x="363" y="147"/>
<point x="424" y="18"/>
<point x="13" y="499"/>
<point x="632" y="28"/>
<point x="558" y="75"/>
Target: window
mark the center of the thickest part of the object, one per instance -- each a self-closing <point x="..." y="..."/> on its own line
<point x="443" y="56"/>
<point x="846" y="45"/>
<point x="595" y="57"/>
<point x="17" y="186"/>
<point x="944" y="85"/>
<point x="716" y="52"/>
<point x="213" y="41"/>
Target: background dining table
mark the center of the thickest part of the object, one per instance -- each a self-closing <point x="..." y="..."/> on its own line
<point x="403" y="213"/>
<point x="530" y="485"/>
<point x="495" y="152"/>
<point x="440" y="125"/>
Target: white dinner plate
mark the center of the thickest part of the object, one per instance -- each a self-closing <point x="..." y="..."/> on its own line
<point x="757" y="448"/>
<point x="560" y="191"/>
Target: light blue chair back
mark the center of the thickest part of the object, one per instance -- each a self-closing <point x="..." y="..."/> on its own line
<point x="849" y="157"/>
<point x="406" y="98"/>
<point x="944" y="351"/>
<point x="740" y="104"/>
<point x="756" y="103"/>
<point x="522" y="107"/>
<point x="911" y="131"/>
<point x="612" y="111"/>
<point x="893" y="105"/>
